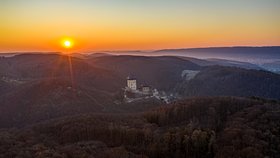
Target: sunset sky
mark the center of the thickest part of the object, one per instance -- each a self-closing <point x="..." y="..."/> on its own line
<point x="40" y="25"/>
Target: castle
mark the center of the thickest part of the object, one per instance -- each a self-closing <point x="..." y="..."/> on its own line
<point x="134" y="93"/>
<point x="132" y="87"/>
<point x="131" y="84"/>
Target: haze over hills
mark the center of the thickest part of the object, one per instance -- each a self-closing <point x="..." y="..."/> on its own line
<point x="245" y="53"/>
<point x="265" y="57"/>
<point x="242" y="53"/>
<point x="244" y="57"/>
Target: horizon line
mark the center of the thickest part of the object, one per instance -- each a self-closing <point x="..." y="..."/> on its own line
<point x="139" y="50"/>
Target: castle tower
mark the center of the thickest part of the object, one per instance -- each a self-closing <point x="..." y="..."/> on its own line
<point x="132" y="83"/>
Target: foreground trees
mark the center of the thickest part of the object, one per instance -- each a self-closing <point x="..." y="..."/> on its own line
<point x="199" y="128"/>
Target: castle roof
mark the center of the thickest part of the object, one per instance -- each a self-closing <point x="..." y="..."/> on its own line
<point x="130" y="78"/>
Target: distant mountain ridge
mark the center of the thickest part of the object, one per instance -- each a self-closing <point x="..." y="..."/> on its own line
<point x="264" y="51"/>
<point x="251" y="54"/>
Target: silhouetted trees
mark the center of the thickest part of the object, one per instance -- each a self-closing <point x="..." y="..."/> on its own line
<point x="198" y="128"/>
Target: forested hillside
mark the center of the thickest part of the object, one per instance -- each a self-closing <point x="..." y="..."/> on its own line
<point x="198" y="127"/>
<point x="230" y="81"/>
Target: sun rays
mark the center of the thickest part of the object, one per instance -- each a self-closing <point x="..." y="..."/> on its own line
<point x="68" y="44"/>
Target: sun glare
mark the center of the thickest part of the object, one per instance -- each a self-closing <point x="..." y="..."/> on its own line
<point x="67" y="44"/>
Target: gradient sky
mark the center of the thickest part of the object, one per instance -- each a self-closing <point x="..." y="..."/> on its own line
<point x="39" y="25"/>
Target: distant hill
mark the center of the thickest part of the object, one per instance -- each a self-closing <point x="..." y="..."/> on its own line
<point x="256" y="55"/>
<point x="165" y="73"/>
<point x="245" y="54"/>
<point x="39" y="66"/>
<point x="7" y="54"/>
<point x="229" y="81"/>
<point x="231" y="63"/>
<point x="37" y="87"/>
<point x="159" y="72"/>
<point x="94" y="55"/>
<point x="223" y="62"/>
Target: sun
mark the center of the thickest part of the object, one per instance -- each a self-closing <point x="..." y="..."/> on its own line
<point x="67" y="43"/>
